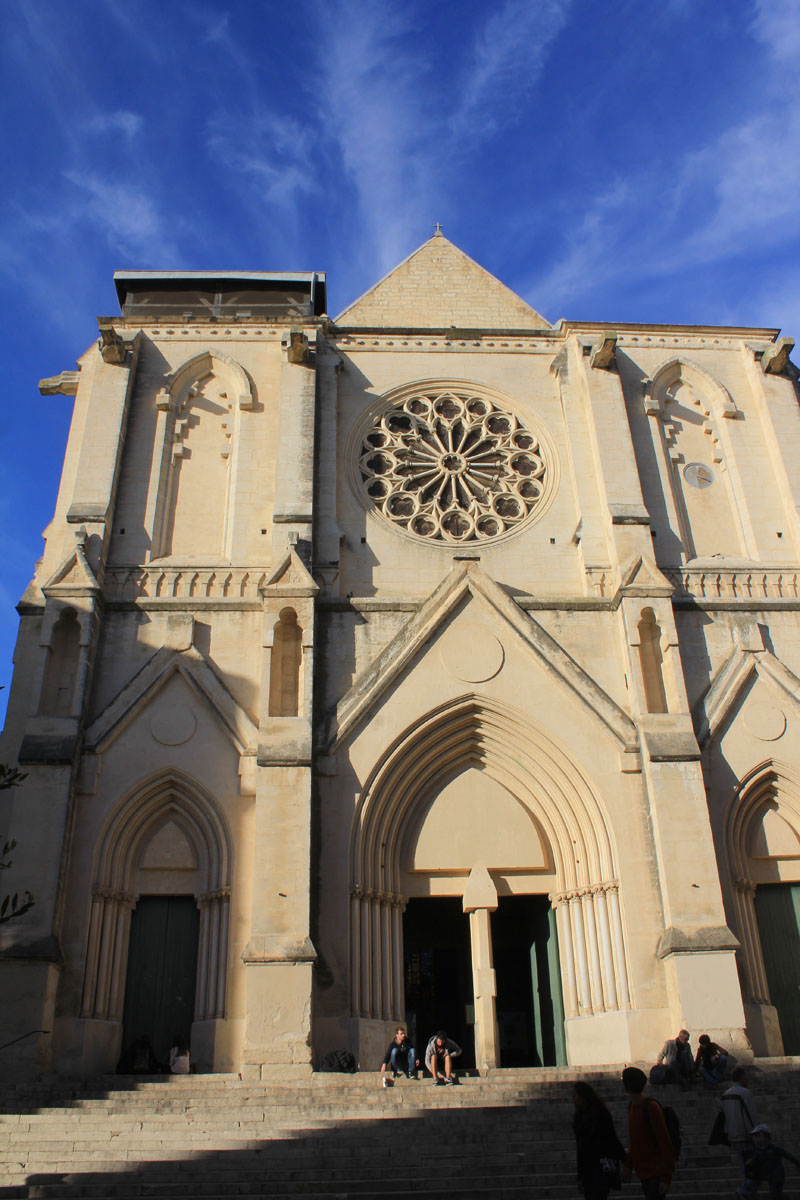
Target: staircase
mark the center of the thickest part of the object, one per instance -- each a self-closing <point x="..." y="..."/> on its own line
<point x="506" y="1136"/>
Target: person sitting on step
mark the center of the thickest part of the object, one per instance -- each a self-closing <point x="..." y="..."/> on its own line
<point x="439" y="1055"/>
<point x="179" y="1059"/>
<point x="400" y="1055"/>
<point x="676" y="1054"/>
<point x="710" y="1060"/>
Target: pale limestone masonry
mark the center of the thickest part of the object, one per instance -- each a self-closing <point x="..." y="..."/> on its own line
<point x="433" y="664"/>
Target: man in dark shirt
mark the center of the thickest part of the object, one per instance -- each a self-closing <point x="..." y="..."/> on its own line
<point x="710" y="1060"/>
<point x="400" y="1055"/>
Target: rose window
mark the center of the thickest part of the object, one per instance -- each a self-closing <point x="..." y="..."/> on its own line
<point x="452" y="466"/>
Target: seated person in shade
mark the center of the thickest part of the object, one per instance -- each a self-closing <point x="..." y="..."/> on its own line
<point x="439" y="1055"/>
<point x="139" y="1059"/>
<point x="676" y="1054"/>
<point x="400" y="1055"/>
<point x="710" y="1060"/>
<point x="179" y="1063"/>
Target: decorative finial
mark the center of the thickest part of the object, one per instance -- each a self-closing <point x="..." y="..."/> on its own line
<point x="437" y="229"/>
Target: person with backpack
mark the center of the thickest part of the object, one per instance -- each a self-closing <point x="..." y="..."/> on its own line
<point x="740" y="1119"/>
<point x="652" y="1153"/>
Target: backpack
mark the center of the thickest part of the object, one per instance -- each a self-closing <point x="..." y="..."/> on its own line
<point x="343" y="1061"/>
<point x="672" y="1123"/>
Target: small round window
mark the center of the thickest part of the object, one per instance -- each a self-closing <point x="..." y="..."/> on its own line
<point x="698" y="475"/>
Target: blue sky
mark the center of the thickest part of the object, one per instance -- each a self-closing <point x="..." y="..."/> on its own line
<point x="630" y="160"/>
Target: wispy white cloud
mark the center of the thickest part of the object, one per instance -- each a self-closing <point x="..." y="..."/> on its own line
<point x="121" y="121"/>
<point x="218" y="30"/>
<point x="508" y="55"/>
<point x="127" y="214"/>
<point x="776" y="23"/>
<point x="275" y="151"/>
<point x="378" y="114"/>
<point x="403" y="123"/>
<point x="711" y="204"/>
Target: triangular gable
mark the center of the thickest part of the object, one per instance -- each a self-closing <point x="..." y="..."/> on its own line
<point x="712" y="710"/>
<point x="465" y="580"/>
<point x="439" y="287"/>
<point x="643" y="578"/>
<point x="140" y="690"/>
<point x="290" y="578"/>
<point x="74" y="577"/>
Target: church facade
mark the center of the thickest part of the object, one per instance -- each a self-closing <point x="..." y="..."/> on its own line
<point x="432" y="665"/>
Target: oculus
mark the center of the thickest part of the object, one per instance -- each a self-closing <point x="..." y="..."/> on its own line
<point x="698" y="475"/>
<point x="453" y="466"/>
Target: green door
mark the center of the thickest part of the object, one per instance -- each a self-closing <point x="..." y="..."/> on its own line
<point x="162" y="970"/>
<point x="530" y="1013"/>
<point x="778" y="914"/>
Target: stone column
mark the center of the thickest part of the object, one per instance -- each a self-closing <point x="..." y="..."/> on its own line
<point x="280" y="955"/>
<point x="480" y="901"/>
<point x="327" y="534"/>
<point x="294" y="462"/>
<point x="591" y="533"/>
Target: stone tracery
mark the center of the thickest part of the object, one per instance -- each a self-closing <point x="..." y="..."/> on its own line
<point x="452" y="466"/>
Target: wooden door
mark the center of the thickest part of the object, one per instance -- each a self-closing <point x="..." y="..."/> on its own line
<point x="778" y="914"/>
<point x="162" y="971"/>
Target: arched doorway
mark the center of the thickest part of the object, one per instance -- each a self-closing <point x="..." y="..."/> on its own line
<point x="762" y="841"/>
<point x="474" y="819"/>
<point x="157" y="949"/>
<point x="477" y="805"/>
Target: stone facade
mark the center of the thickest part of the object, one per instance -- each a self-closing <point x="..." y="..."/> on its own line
<point x="426" y="649"/>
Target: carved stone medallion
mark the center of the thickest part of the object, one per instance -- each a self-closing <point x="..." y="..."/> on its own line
<point x="766" y="722"/>
<point x="173" y="724"/>
<point x="471" y="652"/>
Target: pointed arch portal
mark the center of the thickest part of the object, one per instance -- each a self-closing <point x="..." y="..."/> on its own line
<point x="562" y="806"/>
<point x="166" y="842"/>
<point x="762" y="846"/>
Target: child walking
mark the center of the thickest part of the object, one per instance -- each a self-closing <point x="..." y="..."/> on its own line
<point x="765" y="1165"/>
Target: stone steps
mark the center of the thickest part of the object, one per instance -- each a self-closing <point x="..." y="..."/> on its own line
<point x="212" y="1138"/>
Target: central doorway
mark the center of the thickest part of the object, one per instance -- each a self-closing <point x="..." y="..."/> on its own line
<point x="162" y="971"/>
<point x="438" y="973"/>
<point x="530" y="1012"/>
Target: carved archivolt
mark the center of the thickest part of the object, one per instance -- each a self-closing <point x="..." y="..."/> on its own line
<point x="710" y="396"/>
<point x="770" y="785"/>
<point x="170" y="797"/>
<point x="514" y="751"/>
<point x="452" y="463"/>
